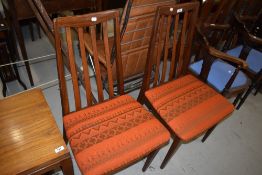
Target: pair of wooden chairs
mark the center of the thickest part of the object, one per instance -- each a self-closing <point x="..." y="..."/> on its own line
<point x="113" y="133"/>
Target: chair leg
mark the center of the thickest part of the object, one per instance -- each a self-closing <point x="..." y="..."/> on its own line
<point x="149" y="159"/>
<point x="245" y="96"/>
<point x="237" y="98"/>
<point x="31" y="31"/>
<point x="208" y="133"/>
<point x="18" y="77"/>
<point x="258" y="88"/>
<point x="4" y="89"/>
<point x="38" y="30"/>
<point x="64" y="135"/>
<point x="171" y="152"/>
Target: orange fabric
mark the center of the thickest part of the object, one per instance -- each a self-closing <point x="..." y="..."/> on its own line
<point x="189" y="106"/>
<point x="110" y="135"/>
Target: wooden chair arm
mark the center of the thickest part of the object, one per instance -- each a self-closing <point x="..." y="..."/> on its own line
<point x="224" y="56"/>
<point x="254" y="39"/>
<point x="245" y="18"/>
<point x="214" y="26"/>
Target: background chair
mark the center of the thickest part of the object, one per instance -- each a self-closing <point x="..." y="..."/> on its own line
<point x="136" y="26"/>
<point x="183" y="103"/>
<point x="115" y="132"/>
<point x="220" y="70"/>
<point x="249" y="49"/>
<point x="216" y="18"/>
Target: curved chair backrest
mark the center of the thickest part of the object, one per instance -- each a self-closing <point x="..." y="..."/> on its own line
<point x="243" y="34"/>
<point x="79" y="24"/>
<point x="224" y="11"/>
<point x="176" y="24"/>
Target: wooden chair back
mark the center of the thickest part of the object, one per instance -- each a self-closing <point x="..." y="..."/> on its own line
<point x="136" y="26"/>
<point x="78" y="24"/>
<point x="43" y="18"/>
<point x="173" y="55"/>
<point x="224" y="11"/>
<point x="216" y="18"/>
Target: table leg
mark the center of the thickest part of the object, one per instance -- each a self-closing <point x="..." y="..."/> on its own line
<point x="67" y="166"/>
<point x="21" y="43"/>
<point x="11" y="16"/>
<point x="13" y="54"/>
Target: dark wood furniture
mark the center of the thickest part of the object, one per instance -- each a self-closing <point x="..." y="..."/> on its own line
<point x="136" y="26"/>
<point x="216" y="17"/>
<point x="109" y="4"/>
<point x="17" y="10"/>
<point x="114" y="132"/>
<point x="249" y="49"/>
<point x="8" y="73"/>
<point x="184" y="104"/>
<point x="30" y="142"/>
<point x="224" y="72"/>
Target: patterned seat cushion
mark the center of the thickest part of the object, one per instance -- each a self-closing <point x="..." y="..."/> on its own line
<point x="111" y="135"/>
<point x="189" y="106"/>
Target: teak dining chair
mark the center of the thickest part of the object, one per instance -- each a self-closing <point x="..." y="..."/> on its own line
<point x="136" y="26"/>
<point x="113" y="133"/>
<point x="184" y="104"/>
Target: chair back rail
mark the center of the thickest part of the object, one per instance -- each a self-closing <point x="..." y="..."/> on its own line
<point x="87" y="22"/>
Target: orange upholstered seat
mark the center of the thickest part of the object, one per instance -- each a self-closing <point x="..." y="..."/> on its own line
<point x="189" y="106"/>
<point x="106" y="133"/>
<point x="184" y="104"/>
<point x="113" y="134"/>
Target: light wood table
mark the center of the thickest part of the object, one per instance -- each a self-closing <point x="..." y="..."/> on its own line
<point x="30" y="141"/>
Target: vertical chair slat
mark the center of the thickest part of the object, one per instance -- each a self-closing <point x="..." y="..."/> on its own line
<point x="73" y="68"/>
<point x="182" y="44"/>
<point x="108" y="62"/>
<point x="61" y="73"/>
<point x="158" y="55"/>
<point x="85" y="66"/>
<point x="120" y="79"/>
<point x="97" y="67"/>
<point x="166" y="46"/>
<point x="193" y="17"/>
<point x="172" y="64"/>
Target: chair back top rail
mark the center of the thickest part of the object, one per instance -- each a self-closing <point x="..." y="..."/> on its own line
<point x="79" y="24"/>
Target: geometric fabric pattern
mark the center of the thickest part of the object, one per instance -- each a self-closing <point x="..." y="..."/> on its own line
<point x="189" y="106"/>
<point x="113" y="134"/>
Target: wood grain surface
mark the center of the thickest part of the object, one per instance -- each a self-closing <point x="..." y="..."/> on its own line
<point x="28" y="134"/>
